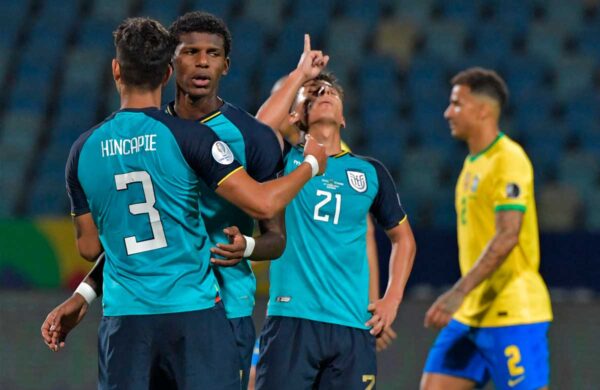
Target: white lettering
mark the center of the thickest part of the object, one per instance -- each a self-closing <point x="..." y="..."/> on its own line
<point x="142" y="143"/>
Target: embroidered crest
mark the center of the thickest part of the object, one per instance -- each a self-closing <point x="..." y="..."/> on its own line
<point x="221" y="153"/>
<point x="357" y="180"/>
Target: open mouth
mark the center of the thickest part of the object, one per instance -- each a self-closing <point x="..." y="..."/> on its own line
<point x="201" y="81"/>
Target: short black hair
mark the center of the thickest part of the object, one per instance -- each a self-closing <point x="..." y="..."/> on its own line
<point x="144" y="52"/>
<point x="202" y="22"/>
<point x="483" y="82"/>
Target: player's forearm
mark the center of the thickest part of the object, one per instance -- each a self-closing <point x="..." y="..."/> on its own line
<point x="276" y="194"/>
<point x="277" y="107"/>
<point x="373" y="259"/>
<point x="95" y="277"/>
<point x="401" y="262"/>
<point x="491" y="259"/>
<point x="271" y="242"/>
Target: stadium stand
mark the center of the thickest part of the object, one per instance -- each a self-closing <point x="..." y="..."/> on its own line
<point x="395" y="72"/>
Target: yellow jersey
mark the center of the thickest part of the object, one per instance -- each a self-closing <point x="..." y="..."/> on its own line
<point x="500" y="178"/>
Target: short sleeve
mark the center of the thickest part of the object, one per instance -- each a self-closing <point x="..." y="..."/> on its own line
<point x="512" y="182"/>
<point x="77" y="198"/>
<point x="386" y="208"/>
<point x="264" y="160"/>
<point x="207" y="155"/>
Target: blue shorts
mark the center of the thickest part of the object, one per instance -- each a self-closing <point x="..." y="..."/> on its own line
<point x="514" y="357"/>
<point x="189" y="350"/>
<point x="245" y="336"/>
<point x="302" y="354"/>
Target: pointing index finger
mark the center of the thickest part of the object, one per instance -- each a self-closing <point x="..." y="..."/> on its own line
<point x="306" y="43"/>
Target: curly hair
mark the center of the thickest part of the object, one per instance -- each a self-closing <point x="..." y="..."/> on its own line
<point x="144" y="52"/>
<point x="202" y="22"/>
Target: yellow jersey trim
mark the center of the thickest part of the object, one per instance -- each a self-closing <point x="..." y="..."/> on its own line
<point x="403" y="220"/>
<point x="505" y="207"/>
<point x="340" y="154"/>
<point x="228" y="175"/>
<point x="216" y="114"/>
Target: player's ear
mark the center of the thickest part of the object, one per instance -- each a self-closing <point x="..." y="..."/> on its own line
<point x="343" y="124"/>
<point x="293" y="118"/>
<point x="116" y="70"/>
<point x="226" y="69"/>
<point x="168" y="75"/>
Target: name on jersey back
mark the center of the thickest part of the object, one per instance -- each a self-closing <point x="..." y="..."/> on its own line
<point x="126" y="146"/>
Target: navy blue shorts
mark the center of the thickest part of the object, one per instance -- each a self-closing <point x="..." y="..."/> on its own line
<point x="245" y="337"/>
<point x="514" y="357"/>
<point x="303" y="354"/>
<point x="189" y="350"/>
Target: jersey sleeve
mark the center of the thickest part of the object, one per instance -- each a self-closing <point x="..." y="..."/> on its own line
<point x="386" y="207"/>
<point x="513" y="179"/>
<point x="264" y="160"/>
<point x="77" y="198"/>
<point x="206" y="154"/>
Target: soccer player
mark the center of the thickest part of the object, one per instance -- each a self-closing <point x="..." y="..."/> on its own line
<point x="320" y="330"/>
<point x="201" y="59"/>
<point x="133" y="183"/>
<point x="295" y="87"/>
<point x="495" y="318"/>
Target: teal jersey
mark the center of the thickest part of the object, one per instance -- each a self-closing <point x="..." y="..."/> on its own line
<point x="256" y="147"/>
<point x="323" y="274"/>
<point x="139" y="174"/>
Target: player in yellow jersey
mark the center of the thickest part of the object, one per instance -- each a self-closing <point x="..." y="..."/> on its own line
<point x="495" y="318"/>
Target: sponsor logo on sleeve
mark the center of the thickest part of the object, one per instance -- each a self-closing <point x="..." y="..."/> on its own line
<point x="221" y="153"/>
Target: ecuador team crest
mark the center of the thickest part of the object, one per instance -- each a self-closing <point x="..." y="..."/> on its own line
<point x="357" y="180"/>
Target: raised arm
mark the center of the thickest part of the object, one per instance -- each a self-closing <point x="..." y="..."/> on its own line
<point x="276" y="109"/>
<point x="508" y="227"/>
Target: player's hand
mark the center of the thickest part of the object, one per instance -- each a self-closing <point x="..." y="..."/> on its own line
<point x="62" y="320"/>
<point x="384" y="312"/>
<point x="440" y="313"/>
<point x="311" y="62"/>
<point x="233" y="252"/>
<point x="385" y="339"/>
<point x="316" y="149"/>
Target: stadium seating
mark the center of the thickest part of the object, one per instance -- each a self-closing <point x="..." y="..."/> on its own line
<point x="394" y="58"/>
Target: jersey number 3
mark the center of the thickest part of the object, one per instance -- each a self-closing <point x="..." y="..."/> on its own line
<point x="159" y="241"/>
<point x="338" y="204"/>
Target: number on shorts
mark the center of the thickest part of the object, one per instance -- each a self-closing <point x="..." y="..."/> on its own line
<point x="369" y="380"/>
<point x="159" y="241"/>
<point x="513" y="354"/>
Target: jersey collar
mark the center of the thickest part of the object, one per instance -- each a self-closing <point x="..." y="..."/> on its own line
<point x="494" y="142"/>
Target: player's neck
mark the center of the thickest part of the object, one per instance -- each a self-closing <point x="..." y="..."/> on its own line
<point x="136" y="98"/>
<point x="188" y="108"/>
<point x="482" y="138"/>
<point x="328" y="135"/>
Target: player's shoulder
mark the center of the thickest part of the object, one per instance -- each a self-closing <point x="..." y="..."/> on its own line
<point x="175" y="123"/>
<point x="245" y="122"/>
<point x="511" y="152"/>
<point x="367" y="161"/>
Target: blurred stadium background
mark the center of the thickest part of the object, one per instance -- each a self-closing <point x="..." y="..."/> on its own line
<point x="394" y="58"/>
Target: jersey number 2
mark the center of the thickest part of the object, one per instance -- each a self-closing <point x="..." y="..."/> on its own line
<point x="338" y="205"/>
<point x="159" y="241"/>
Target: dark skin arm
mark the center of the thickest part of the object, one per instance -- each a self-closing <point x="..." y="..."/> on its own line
<point x="508" y="227"/>
<point x="268" y="246"/>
